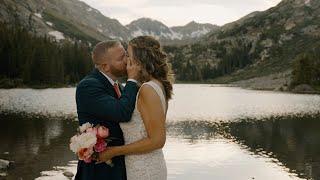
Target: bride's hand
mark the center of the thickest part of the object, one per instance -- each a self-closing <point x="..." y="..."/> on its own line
<point x="107" y="155"/>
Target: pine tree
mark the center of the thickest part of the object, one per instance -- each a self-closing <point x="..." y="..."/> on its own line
<point x="302" y="70"/>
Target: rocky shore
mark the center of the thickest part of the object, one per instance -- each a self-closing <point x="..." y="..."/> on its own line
<point x="275" y="82"/>
<point x="4" y="166"/>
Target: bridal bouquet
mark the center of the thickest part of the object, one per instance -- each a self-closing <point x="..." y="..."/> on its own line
<point x="89" y="141"/>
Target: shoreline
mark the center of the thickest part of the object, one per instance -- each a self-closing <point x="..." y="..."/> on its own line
<point x="275" y="82"/>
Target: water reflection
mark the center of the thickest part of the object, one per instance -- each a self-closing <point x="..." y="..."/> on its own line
<point x="286" y="147"/>
<point x="293" y="140"/>
<point x="195" y="130"/>
<point x="206" y="137"/>
<point x="35" y="144"/>
<point x="196" y="101"/>
<point x="289" y="141"/>
<point x="218" y="159"/>
<point x="217" y="103"/>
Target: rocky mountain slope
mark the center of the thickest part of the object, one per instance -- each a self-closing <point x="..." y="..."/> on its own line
<point x="193" y="29"/>
<point x="74" y="19"/>
<point x="178" y="34"/>
<point x="259" y="44"/>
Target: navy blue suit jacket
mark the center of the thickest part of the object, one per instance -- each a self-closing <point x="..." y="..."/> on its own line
<point x="97" y="103"/>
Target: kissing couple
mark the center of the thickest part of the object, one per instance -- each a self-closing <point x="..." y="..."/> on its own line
<point x="134" y="114"/>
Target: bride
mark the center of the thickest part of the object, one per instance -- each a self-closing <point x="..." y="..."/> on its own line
<point x="145" y="134"/>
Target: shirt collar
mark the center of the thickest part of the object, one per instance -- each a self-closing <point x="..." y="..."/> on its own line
<point x="109" y="79"/>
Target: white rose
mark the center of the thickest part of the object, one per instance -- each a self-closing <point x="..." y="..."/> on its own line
<point x="74" y="144"/>
<point x="85" y="126"/>
<point x="87" y="140"/>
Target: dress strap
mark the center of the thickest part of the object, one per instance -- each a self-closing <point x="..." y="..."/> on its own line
<point x="159" y="91"/>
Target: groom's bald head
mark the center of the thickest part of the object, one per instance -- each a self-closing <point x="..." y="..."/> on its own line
<point x="100" y="51"/>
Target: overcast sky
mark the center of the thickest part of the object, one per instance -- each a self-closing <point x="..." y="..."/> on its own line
<point x="180" y="12"/>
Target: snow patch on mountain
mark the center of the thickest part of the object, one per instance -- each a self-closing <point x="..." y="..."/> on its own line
<point x="49" y="23"/>
<point x="307" y="2"/>
<point x="199" y="32"/>
<point x="38" y="15"/>
<point x="138" y="32"/>
<point x="176" y="35"/>
<point x="116" y="37"/>
<point x="57" y="35"/>
<point x="100" y="30"/>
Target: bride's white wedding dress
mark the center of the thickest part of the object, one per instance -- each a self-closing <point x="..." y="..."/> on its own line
<point x="149" y="166"/>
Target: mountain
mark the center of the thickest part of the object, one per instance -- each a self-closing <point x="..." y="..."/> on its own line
<point x="74" y="19"/>
<point x="259" y="44"/>
<point x="174" y="35"/>
<point x="147" y="26"/>
<point x="84" y="17"/>
<point x="62" y="19"/>
<point x="194" y="30"/>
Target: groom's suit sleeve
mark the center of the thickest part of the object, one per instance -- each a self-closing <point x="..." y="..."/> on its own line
<point x="93" y="99"/>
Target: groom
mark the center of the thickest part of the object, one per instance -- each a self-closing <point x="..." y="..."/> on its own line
<point x="101" y="101"/>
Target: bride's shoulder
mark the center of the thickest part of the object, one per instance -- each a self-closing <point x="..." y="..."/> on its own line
<point x="146" y="88"/>
<point x="147" y="91"/>
<point x="150" y="95"/>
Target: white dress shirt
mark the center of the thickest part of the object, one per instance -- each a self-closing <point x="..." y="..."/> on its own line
<point x="113" y="82"/>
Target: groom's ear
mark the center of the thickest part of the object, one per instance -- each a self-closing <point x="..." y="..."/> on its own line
<point x="105" y="67"/>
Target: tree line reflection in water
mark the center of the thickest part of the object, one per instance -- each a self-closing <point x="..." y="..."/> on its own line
<point x="37" y="143"/>
<point x="294" y="141"/>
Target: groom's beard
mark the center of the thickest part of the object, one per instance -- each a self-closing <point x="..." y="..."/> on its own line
<point x="118" y="72"/>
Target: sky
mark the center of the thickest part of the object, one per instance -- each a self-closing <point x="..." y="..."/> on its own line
<point x="180" y="12"/>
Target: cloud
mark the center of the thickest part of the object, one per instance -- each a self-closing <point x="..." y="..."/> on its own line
<point x="180" y="12"/>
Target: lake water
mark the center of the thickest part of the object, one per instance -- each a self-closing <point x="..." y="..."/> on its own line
<point x="214" y="132"/>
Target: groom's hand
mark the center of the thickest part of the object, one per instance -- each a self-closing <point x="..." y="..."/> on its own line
<point x="133" y="69"/>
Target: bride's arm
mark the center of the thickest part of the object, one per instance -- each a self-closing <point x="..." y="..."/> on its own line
<point x="152" y="113"/>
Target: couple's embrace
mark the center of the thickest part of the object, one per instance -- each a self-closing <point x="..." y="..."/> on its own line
<point x="135" y="114"/>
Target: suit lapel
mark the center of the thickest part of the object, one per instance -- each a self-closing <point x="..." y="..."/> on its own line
<point x="104" y="81"/>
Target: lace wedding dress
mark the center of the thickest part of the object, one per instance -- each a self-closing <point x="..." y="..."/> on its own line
<point x="149" y="166"/>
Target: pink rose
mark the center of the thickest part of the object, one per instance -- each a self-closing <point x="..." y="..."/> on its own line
<point x="85" y="154"/>
<point x="100" y="146"/>
<point x="102" y="132"/>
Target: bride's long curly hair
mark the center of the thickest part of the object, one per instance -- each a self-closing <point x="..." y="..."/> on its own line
<point x="147" y="51"/>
